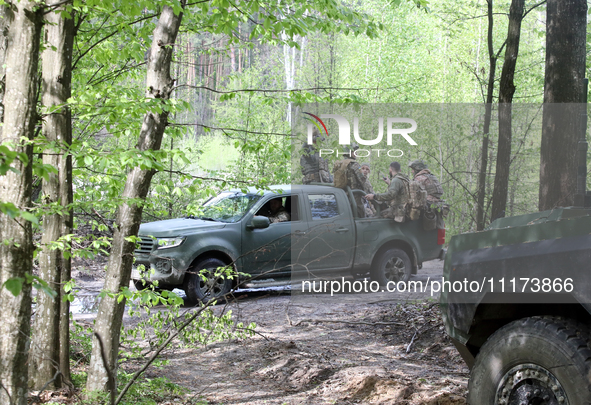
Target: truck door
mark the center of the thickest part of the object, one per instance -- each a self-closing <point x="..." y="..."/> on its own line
<point x="330" y="240"/>
<point x="268" y="250"/>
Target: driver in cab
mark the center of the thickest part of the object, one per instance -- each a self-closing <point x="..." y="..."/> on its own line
<point x="277" y="212"/>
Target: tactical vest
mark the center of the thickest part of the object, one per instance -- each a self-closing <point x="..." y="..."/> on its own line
<point x="399" y="203"/>
<point x="417" y="200"/>
<point x="340" y="172"/>
<point x="310" y="164"/>
<point x="431" y="184"/>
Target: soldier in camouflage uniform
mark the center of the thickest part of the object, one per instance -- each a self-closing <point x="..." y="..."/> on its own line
<point x="278" y="212"/>
<point x="370" y="211"/>
<point x="428" y="181"/>
<point x="355" y="177"/>
<point x="367" y="187"/>
<point x="396" y="196"/>
<point x="314" y="167"/>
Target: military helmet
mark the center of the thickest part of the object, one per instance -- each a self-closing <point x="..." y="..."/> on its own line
<point x="417" y="165"/>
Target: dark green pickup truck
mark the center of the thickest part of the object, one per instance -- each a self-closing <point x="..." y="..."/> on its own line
<point x="322" y="237"/>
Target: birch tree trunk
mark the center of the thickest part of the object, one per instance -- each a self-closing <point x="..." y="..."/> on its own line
<point x="110" y="313"/>
<point x="56" y="77"/>
<point x="16" y="251"/>
<point x="506" y="91"/>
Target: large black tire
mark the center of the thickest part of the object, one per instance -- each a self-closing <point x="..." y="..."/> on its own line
<point x="537" y="361"/>
<point x="393" y="265"/>
<point x="212" y="288"/>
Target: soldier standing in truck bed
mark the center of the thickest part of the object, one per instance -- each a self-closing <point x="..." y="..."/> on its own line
<point x="314" y="167"/>
<point x="397" y="195"/>
<point x="370" y="211"/>
<point x="428" y="181"/>
<point x="347" y="172"/>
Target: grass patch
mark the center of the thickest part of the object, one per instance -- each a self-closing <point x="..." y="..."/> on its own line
<point x="145" y="391"/>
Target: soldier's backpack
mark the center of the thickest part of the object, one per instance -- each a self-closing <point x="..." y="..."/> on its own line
<point x="417" y="199"/>
<point x="432" y="185"/>
<point x="340" y="172"/>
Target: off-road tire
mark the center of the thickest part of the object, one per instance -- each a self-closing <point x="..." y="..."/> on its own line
<point x="199" y="290"/>
<point x="533" y="361"/>
<point x="393" y="265"/>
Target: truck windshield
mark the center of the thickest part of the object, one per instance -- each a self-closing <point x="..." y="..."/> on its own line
<point x="228" y="206"/>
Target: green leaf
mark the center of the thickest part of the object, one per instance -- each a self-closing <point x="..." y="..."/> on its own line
<point x="30" y="217"/>
<point x="14" y="285"/>
<point x="9" y="209"/>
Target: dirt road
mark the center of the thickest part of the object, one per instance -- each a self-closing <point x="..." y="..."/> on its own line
<point x="381" y="351"/>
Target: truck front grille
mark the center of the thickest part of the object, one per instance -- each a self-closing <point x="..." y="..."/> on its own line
<point x="146" y="245"/>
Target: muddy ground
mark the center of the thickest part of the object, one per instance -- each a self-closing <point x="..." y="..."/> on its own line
<point x="377" y="349"/>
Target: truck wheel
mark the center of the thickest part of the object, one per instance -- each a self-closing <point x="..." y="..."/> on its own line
<point x="532" y="361"/>
<point x="394" y="265"/>
<point x="199" y="289"/>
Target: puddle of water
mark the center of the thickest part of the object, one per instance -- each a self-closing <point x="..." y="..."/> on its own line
<point x="85" y="304"/>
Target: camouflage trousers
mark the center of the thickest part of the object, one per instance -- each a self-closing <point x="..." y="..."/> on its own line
<point x="311" y="178"/>
<point x="392" y="213"/>
<point x="319" y="177"/>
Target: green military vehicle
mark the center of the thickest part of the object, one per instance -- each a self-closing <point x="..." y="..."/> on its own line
<point x="518" y="308"/>
<point x="323" y="237"/>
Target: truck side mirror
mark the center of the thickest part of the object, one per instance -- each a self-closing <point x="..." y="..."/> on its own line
<point x="259" y="222"/>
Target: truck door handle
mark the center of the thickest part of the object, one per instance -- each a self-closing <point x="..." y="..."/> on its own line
<point x="299" y="232"/>
<point x="341" y="230"/>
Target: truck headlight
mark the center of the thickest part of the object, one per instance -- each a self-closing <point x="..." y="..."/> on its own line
<point x="165" y="243"/>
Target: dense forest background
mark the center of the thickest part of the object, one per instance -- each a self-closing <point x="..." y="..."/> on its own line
<point x="435" y="54"/>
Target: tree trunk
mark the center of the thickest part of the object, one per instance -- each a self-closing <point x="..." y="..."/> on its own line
<point x="506" y="91"/>
<point x="565" y="69"/>
<point x="110" y="313"/>
<point x="4" y="21"/>
<point x="56" y="76"/>
<point x="16" y="251"/>
<point x="480" y="220"/>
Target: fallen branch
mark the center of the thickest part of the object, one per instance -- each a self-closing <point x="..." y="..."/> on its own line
<point x="257" y="333"/>
<point x="38" y="397"/>
<point x="349" y="322"/>
<point x="411" y="341"/>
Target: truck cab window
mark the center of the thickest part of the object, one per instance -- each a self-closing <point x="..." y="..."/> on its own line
<point x="323" y="206"/>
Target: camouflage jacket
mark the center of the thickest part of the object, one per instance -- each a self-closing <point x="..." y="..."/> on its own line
<point x="314" y="168"/>
<point x="355" y="177"/>
<point x="367" y="187"/>
<point x="280" y="216"/>
<point x="397" y="193"/>
<point x="430" y="183"/>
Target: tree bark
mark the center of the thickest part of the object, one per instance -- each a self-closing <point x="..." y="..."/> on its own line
<point x="16" y="251"/>
<point x="487" y="116"/>
<point x="110" y="313"/>
<point x="506" y="91"/>
<point x="561" y="130"/>
<point x="56" y="80"/>
<point x="4" y="25"/>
